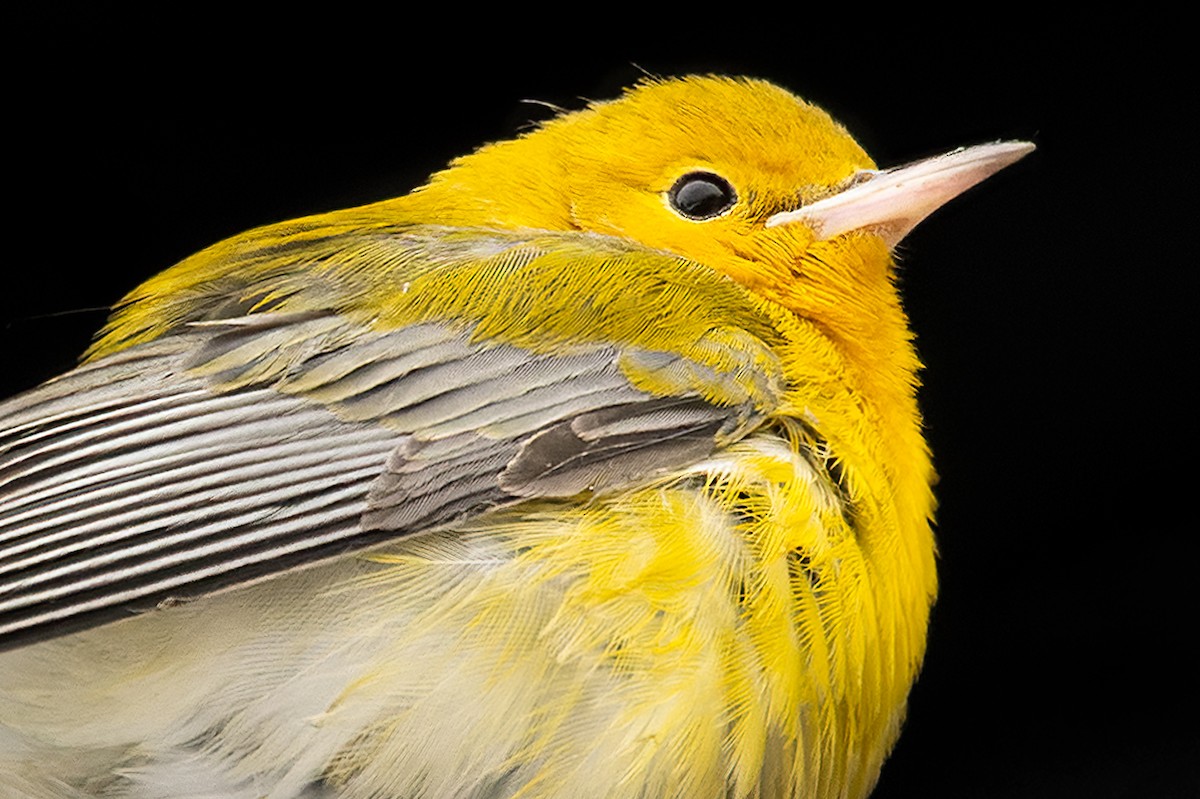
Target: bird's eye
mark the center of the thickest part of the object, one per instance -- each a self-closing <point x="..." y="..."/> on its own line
<point x="701" y="195"/>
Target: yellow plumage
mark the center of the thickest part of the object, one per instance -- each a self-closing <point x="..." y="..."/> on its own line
<point x="651" y="488"/>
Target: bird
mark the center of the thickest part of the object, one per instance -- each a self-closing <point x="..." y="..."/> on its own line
<point x="592" y="467"/>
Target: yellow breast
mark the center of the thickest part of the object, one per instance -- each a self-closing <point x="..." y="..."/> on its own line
<point x="724" y="632"/>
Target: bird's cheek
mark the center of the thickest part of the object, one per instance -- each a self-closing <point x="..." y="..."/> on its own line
<point x="766" y="261"/>
<point x="813" y="278"/>
<point x="844" y="282"/>
<point x="856" y="258"/>
<point x="645" y="220"/>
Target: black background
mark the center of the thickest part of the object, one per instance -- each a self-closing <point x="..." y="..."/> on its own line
<point x="1052" y="304"/>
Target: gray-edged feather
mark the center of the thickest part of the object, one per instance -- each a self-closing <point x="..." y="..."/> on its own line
<point x="232" y="450"/>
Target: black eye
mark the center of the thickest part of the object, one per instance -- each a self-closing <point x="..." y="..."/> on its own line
<point x="702" y="195"/>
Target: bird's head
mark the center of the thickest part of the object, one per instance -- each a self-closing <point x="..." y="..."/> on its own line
<point x="735" y="173"/>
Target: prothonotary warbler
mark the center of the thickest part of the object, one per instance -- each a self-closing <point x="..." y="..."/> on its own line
<point x="591" y="468"/>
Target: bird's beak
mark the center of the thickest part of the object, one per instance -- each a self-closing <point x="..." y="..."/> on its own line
<point x="894" y="201"/>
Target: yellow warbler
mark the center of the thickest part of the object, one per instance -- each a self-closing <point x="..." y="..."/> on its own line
<point x="600" y="453"/>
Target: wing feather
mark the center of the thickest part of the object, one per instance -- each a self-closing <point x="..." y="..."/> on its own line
<point x="227" y="450"/>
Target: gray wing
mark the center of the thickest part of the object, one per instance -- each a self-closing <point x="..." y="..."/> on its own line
<point x="234" y="450"/>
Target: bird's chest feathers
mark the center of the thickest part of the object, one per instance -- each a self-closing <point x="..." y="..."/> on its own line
<point x="673" y="632"/>
<point x="722" y="630"/>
